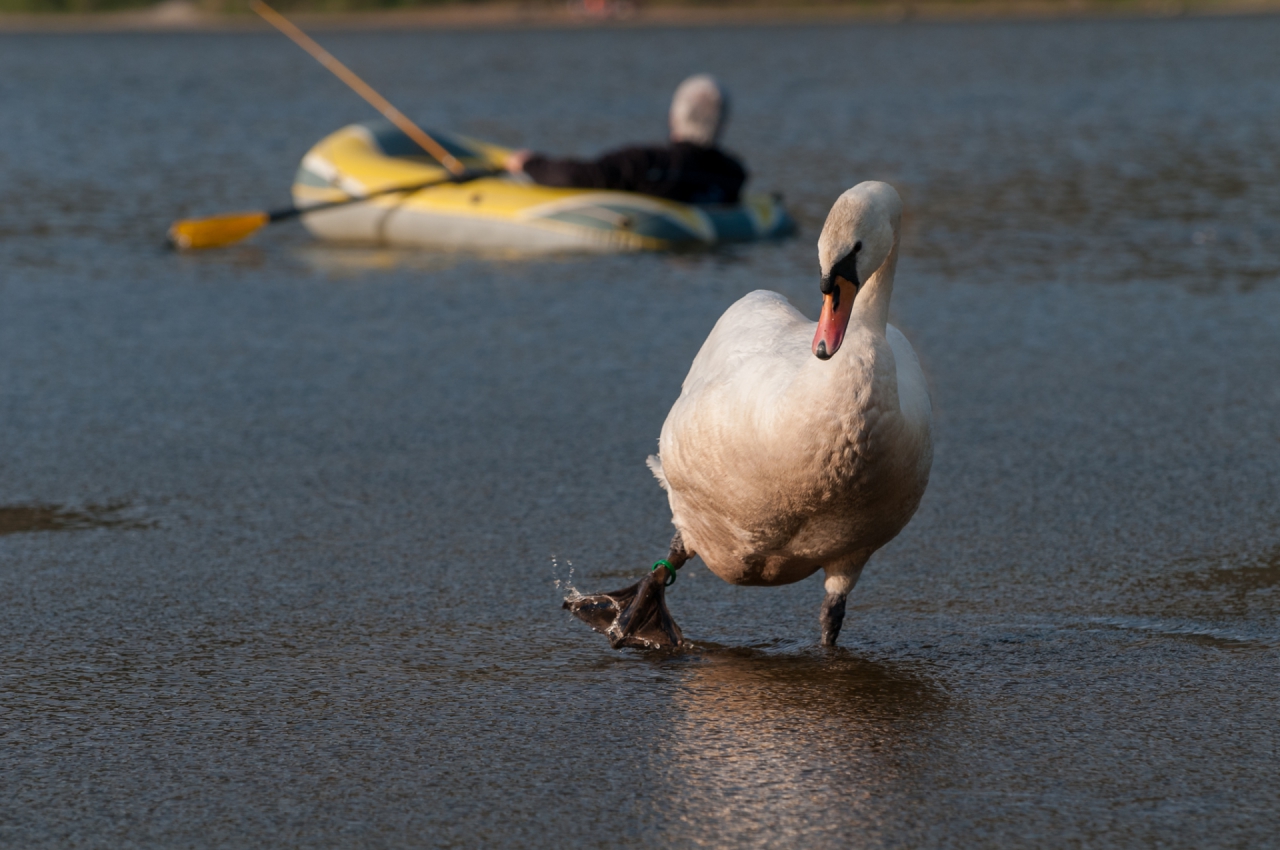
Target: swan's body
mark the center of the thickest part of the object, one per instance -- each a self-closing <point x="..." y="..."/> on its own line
<point x="778" y="463"/>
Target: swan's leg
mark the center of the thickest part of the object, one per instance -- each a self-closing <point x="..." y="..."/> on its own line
<point x="832" y="617"/>
<point x="636" y="615"/>
<point x="839" y="581"/>
<point x="678" y="555"/>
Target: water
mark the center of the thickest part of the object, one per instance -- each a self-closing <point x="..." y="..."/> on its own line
<point x="283" y="524"/>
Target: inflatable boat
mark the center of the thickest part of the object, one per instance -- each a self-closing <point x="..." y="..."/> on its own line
<point x="502" y="212"/>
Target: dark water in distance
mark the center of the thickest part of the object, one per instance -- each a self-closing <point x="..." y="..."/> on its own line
<point x="287" y="525"/>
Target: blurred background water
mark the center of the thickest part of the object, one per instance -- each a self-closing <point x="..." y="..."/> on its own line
<point x="284" y="528"/>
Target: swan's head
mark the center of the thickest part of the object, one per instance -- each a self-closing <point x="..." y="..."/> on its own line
<point x="855" y="242"/>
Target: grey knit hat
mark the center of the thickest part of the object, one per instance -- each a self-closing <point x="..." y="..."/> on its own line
<point x="698" y="110"/>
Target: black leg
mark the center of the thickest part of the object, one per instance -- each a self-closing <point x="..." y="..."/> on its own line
<point x="832" y="617"/>
<point x="678" y="555"/>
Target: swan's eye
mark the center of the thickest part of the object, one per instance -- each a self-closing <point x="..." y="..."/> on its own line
<point x="857" y="246"/>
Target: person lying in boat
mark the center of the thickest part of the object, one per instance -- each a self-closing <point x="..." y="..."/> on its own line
<point x="691" y="169"/>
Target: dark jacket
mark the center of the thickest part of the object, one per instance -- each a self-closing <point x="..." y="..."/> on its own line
<point x="681" y="171"/>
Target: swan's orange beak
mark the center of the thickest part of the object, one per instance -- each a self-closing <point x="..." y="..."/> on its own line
<point x="837" y="307"/>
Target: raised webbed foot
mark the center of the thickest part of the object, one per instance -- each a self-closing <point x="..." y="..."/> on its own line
<point x="634" y="616"/>
<point x="637" y="615"/>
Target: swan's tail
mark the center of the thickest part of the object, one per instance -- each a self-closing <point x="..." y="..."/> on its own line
<point x="655" y="466"/>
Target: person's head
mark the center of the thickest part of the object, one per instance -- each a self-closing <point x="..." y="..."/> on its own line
<point x="698" y="111"/>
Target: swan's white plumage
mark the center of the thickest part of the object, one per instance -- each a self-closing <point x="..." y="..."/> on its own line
<point x="777" y="463"/>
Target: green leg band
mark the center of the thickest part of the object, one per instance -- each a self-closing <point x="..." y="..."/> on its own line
<point x="671" y="572"/>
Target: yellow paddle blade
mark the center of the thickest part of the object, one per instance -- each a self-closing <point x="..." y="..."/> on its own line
<point x="192" y="234"/>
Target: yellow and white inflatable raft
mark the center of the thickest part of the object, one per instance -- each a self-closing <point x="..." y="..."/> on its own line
<point x="501" y="212"/>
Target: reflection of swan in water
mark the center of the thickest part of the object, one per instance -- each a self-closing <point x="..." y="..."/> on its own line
<point x="777" y="749"/>
<point x="755" y="685"/>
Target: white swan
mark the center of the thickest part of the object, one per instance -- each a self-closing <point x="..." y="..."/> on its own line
<point x="777" y="462"/>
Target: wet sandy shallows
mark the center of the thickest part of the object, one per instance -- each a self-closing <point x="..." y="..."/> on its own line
<point x="283" y="525"/>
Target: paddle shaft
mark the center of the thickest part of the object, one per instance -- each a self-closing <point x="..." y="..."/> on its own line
<point x="292" y="212"/>
<point x="360" y="87"/>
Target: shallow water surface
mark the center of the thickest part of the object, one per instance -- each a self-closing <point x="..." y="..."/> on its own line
<point x="286" y="526"/>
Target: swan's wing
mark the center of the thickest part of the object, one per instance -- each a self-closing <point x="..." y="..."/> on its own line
<point x="735" y="388"/>
<point x="913" y="389"/>
<point x="761" y="340"/>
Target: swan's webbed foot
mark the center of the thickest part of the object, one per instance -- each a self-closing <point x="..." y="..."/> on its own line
<point x="634" y="616"/>
<point x="637" y="615"/>
<point x="832" y="617"/>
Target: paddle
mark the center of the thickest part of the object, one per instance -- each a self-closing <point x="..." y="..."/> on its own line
<point x="190" y="234"/>
<point x="195" y="233"/>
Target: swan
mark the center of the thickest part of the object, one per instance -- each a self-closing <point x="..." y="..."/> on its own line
<point x="792" y="447"/>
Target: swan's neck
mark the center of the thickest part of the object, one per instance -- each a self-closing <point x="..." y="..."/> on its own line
<point x="871" y="307"/>
<point x="854" y="364"/>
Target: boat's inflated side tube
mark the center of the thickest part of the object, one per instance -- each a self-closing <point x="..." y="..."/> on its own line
<point x="503" y="212"/>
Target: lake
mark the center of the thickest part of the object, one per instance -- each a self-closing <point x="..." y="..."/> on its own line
<point x="285" y="527"/>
